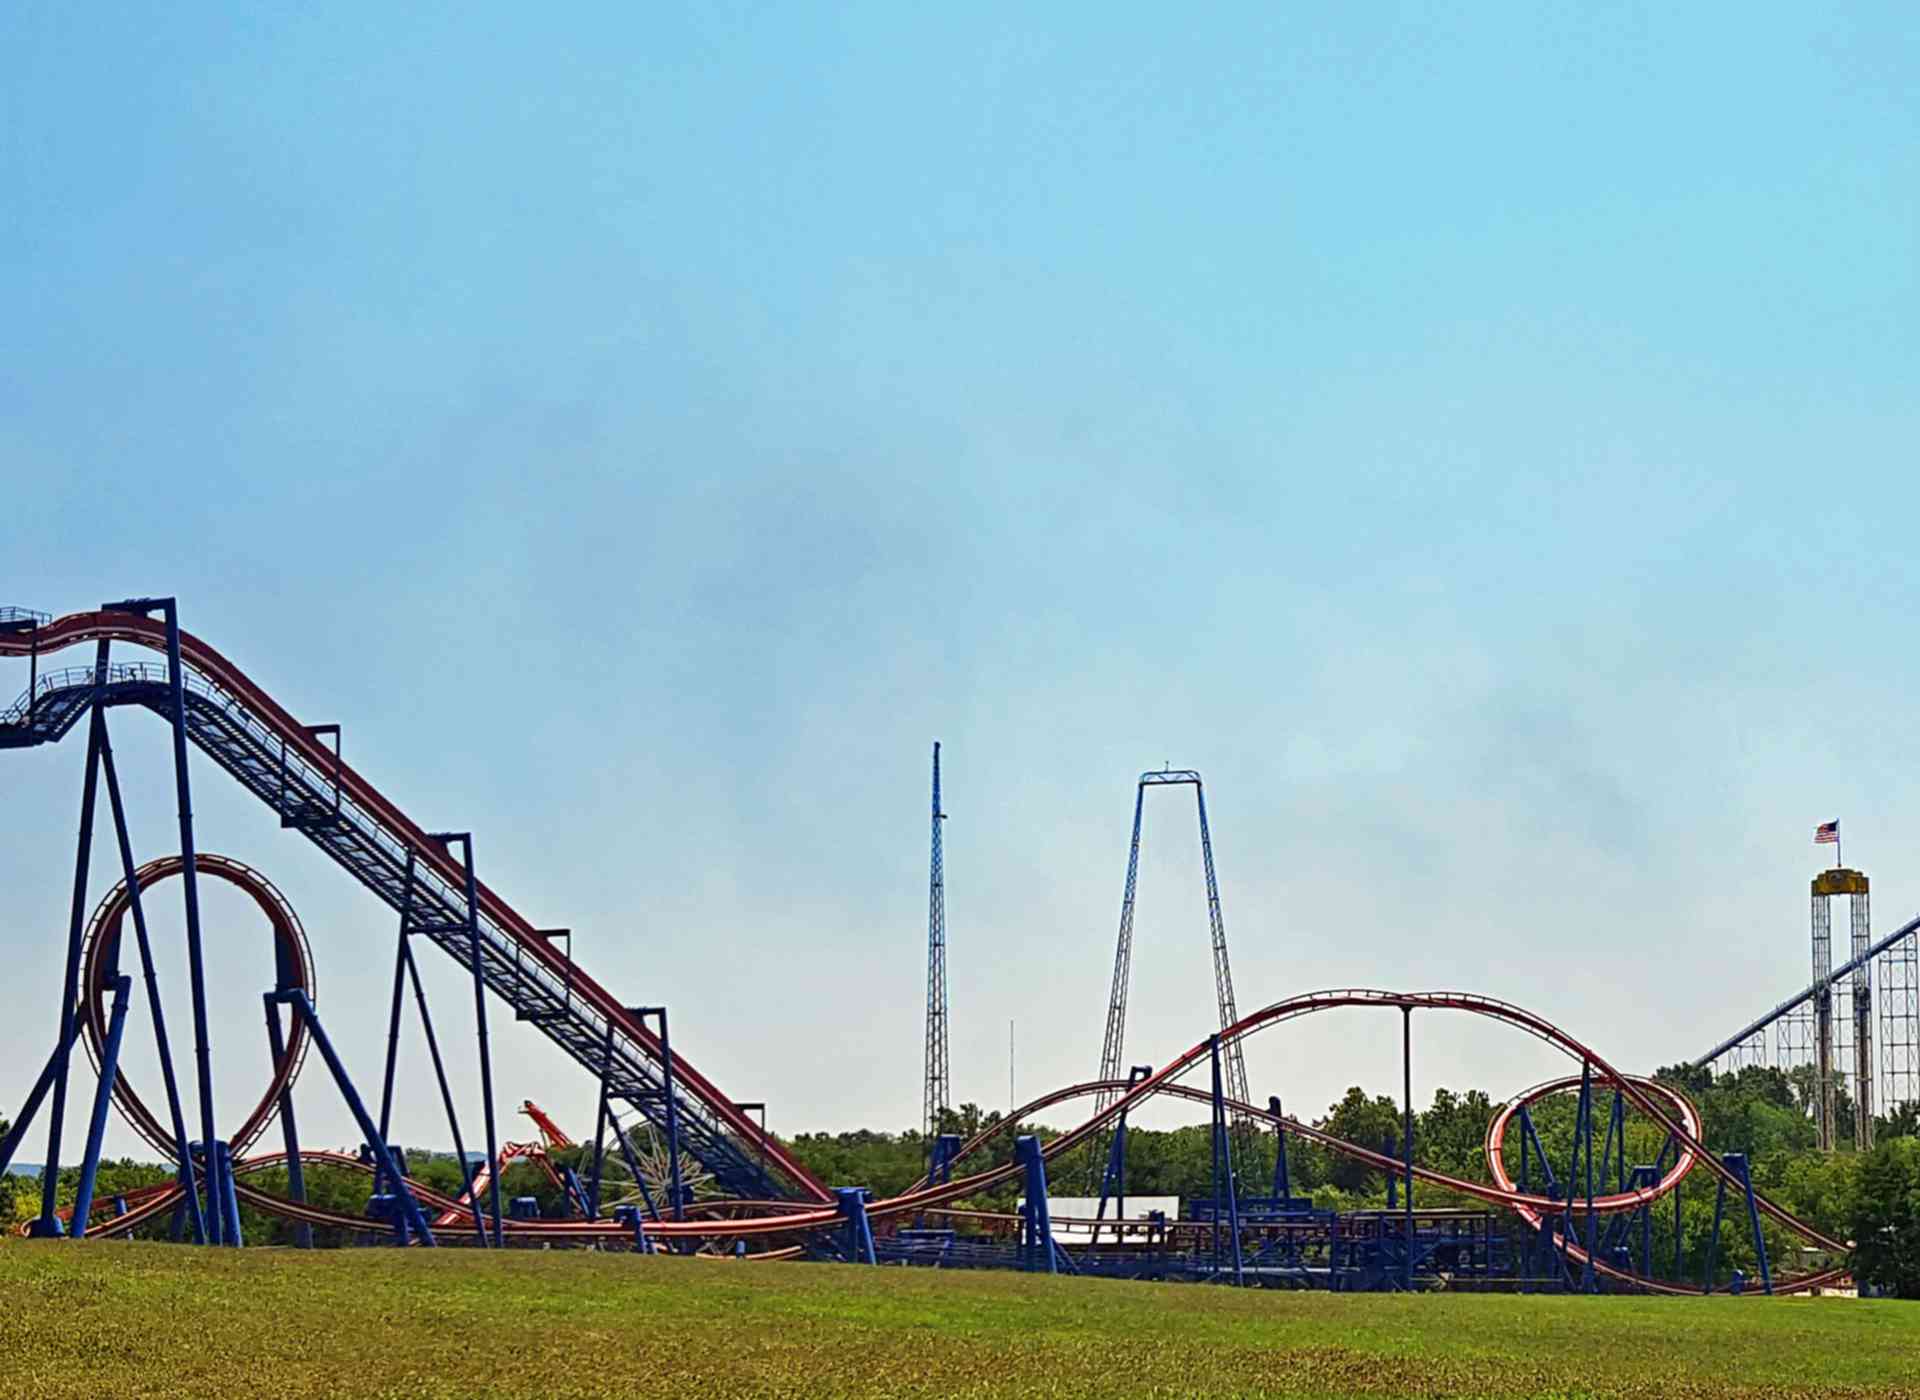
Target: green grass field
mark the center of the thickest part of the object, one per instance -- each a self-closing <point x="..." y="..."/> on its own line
<point x="131" y="1319"/>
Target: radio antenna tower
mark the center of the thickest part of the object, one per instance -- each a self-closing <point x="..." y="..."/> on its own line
<point x="1111" y="1048"/>
<point x="937" y="1099"/>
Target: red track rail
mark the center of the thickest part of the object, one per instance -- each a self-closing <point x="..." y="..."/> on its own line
<point x="80" y="628"/>
<point x="789" y="1218"/>
<point x="76" y="629"/>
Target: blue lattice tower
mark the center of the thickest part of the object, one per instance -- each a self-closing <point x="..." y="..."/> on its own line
<point x="1113" y="1044"/>
<point x="937" y="1097"/>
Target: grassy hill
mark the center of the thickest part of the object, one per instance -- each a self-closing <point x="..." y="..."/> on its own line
<point x="132" y="1319"/>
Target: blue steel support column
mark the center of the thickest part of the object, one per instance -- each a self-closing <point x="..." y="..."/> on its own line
<point x="945" y="1149"/>
<point x="1213" y="1145"/>
<point x="393" y="1016"/>
<point x="97" y="1126"/>
<point x="1039" y="1210"/>
<point x="1646" y="1230"/>
<point x="673" y="1111"/>
<point x="1713" y="1240"/>
<point x="940" y="1166"/>
<point x="229" y="1199"/>
<point x="1549" y="1247"/>
<point x="190" y="893"/>
<point x="162" y="1044"/>
<point x="1588" y="1279"/>
<point x="48" y="1223"/>
<point x="1523" y="1181"/>
<point x="1282" y="1182"/>
<point x="1236" y="1063"/>
<point x="446" y="1092"/>
<point x="1406" y="1143"/>
<point x="1113" y="1182"/>
<point x="303" y="1008"/>
<point x="859" y="1239"/>
<point x="1658" y="1169"/>
<point x="289" y="1130"/>
<point x="480" y="1018"/>
<point x="24" y="1120"/>
<point x="600" y="1127"/>
<point x="1677" y="1257"/>
<point x="1223" y="1170"/>
<point x="1737" y="1161"/>
<point x="1616" y="1134"/>
<point x="1582" y="1136"/>
<point x="1116" y="1030"/>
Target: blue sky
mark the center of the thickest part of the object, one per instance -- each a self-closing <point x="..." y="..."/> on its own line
<point x="1482" y="444"/>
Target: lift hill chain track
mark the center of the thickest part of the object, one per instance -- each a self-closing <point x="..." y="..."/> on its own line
<point x="281" y="761"/>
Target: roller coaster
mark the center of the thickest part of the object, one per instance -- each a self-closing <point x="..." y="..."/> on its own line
<point x="1583" y="1226"/>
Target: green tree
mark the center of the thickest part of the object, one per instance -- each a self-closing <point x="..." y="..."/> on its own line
<point x="1364" y="1122"/>
<point x="1903" y="1121"/>
<point x="7" y="1195"/>
<point x="1451" y="1136"/>
<point x="1886" y="1219"/>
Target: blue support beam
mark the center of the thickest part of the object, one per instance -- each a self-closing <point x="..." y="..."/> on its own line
<point x="163" y="1046"/>
<point x="446" y="1095"/>
<point x="1113" y="1181"/>
<point x="946" y="1148"/>
<point x="18" y="1132"/>
<point x="1282" y="1182"/>
<point x="48" y="1223"/>
<point x="465" y="840"/>
<point x="1226" y="1186"/>
<point x="600" y="1130"/>
<point x="289" y="1129"/>
<point x="858" y="1232"/>
<point x="1406" y="1145"/>
<point x="102" y="1096"/>
<point x="190" y="891"/>
<point x="383" y="1155"/>
<point x="677" y="1196"/>
<point x="229" y="1198"/>
<point x="1736" y="1163"/>
<point x="1036" y="1216"/>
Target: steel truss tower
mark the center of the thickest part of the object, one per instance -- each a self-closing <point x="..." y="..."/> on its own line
<point x="1843" y="1053"/>
<point x="937" y="1098"/>
<point x="1111" y="1046"/>
<point x="1900" y="1024"/>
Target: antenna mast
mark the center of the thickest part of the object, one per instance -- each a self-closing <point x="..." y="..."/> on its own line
<point x="937" y="1098"/>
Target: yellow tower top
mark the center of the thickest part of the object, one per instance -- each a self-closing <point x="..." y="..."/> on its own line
<point x="1840" y="880"/>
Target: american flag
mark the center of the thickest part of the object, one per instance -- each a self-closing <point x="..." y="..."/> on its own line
<point x="1827" y="834"/>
